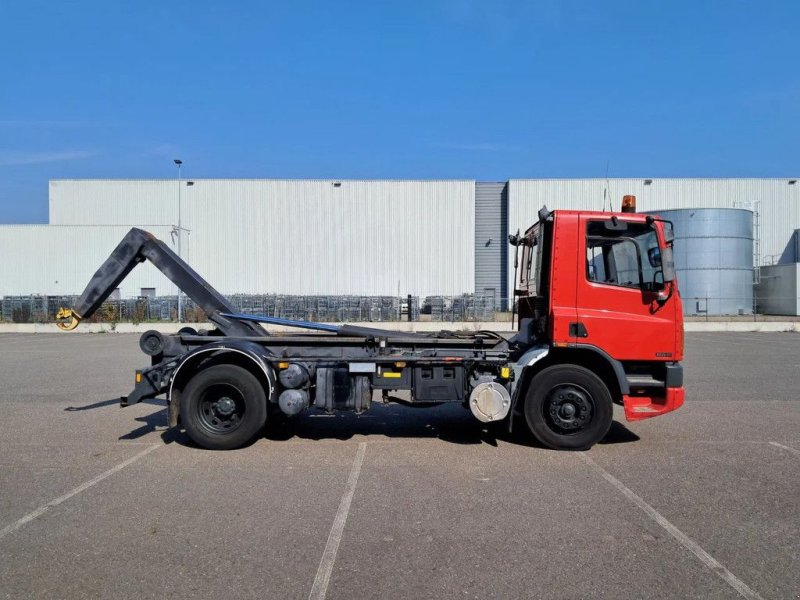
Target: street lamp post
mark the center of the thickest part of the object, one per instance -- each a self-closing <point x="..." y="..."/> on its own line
<point x="178" y="162"/>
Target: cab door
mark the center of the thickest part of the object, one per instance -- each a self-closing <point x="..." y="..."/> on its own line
<point x="620" y="290"/>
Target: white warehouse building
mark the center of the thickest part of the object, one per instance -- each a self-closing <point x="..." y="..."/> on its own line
<point x="311" y="237"/>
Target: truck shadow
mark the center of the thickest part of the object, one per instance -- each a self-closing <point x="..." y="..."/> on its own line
<point x="619" y="434"/>
<point x="104" y="403"/>
<point x="449" y="423"/>
<point x="156" y="422"/>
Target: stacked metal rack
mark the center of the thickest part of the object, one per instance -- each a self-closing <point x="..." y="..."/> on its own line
<point x="327" y="308"/>
<point x="33" y="308"/>
<point x="467" y="307"/>
<point x="17" y="309"/>
<point x="42" y="309"/>
<point x="163" y="308"/>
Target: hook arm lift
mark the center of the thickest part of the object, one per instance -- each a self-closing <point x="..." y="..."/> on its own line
<point x="136" y="247"/>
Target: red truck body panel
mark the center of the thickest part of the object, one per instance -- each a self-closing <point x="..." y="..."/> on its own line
<point x="626" y="323"/>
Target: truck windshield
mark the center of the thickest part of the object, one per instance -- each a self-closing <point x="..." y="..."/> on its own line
<point x="623" y="254"/>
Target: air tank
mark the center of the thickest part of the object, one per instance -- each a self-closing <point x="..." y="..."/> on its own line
<point x="713" y="259"/>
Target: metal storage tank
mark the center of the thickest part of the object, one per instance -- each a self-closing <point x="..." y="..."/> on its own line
<point x="713" y="259"/>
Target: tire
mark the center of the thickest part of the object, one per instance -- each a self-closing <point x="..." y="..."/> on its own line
<point x="568" y="407"/>
<point x="223" y="407"/>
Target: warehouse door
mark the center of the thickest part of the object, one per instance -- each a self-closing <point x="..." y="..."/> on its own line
<point x="491" y="229"/>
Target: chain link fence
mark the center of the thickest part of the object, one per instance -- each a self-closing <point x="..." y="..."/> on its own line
<point x="466" y="307"/>
<point x="42" y="309"/>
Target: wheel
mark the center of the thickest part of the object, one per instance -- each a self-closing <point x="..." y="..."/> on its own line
<point x="223" y="407"/>
<point x="568" y="407"/>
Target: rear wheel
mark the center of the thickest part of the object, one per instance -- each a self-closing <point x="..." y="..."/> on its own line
<point x="223" y="407"/>
<point x="568" y="407"/>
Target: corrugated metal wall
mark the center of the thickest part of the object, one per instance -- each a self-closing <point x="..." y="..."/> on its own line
<point x="299" y="237"/>
<point x="791" y="253"/>
<point x="56" y="260"/>
<point x="358" y="237"/>
<point x="777" y="293"/>
<point x="142" y="202"/>
<point x="776" y="200"/>
<point x="491" y="230"/>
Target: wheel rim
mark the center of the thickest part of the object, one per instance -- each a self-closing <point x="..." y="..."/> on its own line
<point x="221" y="408"/>
<point x="568" y="409"/>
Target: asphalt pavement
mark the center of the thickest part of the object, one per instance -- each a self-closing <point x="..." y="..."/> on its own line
<point x="102" y="502"/>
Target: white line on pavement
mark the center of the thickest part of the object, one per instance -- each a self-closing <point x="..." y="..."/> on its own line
<point x="792" y="450"/>
<point x="82" y="487"/>
<point x="320" y="587"/>
<point x="693" y="547"/>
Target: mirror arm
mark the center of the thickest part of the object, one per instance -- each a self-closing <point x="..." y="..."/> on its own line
<point x="662" y="298"/>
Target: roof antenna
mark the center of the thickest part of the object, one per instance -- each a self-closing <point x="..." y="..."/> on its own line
<point x="605" y="191"/>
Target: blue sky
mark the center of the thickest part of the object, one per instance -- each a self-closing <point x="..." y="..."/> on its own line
<point x="409" y="89"/>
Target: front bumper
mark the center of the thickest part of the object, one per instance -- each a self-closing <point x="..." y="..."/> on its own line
<point x="638" y="408"/>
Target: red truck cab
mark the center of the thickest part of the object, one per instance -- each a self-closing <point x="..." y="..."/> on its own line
<point x="599" y="290"/>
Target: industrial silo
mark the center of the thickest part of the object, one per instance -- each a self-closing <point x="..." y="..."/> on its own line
<point x="713" y="259"/>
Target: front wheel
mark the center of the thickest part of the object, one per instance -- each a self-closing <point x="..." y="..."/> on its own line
<point x="568" y="407"/>
<point x="223" y="407"/>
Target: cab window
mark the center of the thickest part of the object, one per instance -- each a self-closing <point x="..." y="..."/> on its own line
<point x="623" y="254"/>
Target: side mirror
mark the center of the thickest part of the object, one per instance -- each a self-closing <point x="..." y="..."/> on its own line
<point x="669" y="233"/>
<point x="654" y="257"/>
<point x="667" y="264"/>
<point x="544" y="214"/>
